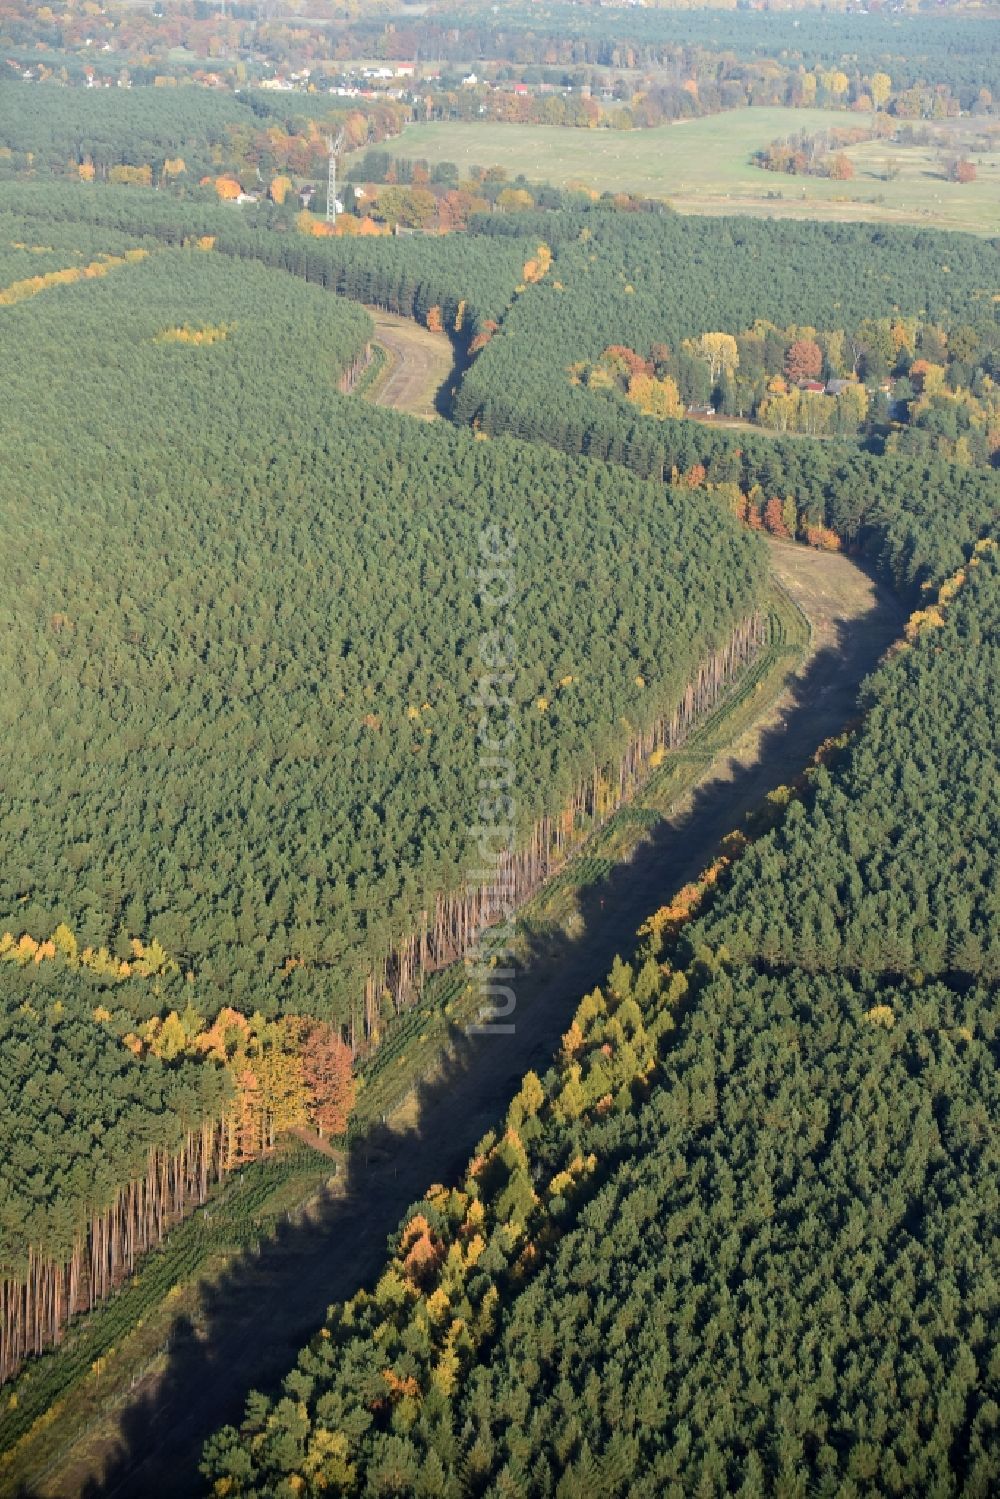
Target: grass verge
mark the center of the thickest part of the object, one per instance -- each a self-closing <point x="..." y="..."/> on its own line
<point x="102" y="1355"/>
<point x="419" y="1038"/>
<point x="61" y="1396"/>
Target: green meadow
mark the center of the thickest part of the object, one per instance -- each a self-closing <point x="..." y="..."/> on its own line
<point x="705" y="166"/>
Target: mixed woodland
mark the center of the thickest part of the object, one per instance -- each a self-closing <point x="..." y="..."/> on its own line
<point x="738" y="1237"/>
<point x="655" y="63"/>
<point x="655" y="288"/>
<point x="244" y="702"/>
<point x="958" y="53"/>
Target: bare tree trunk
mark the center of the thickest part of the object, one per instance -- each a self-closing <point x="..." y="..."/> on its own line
<point x="458" y="917"/>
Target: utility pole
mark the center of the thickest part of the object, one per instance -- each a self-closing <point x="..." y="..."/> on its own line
<point x="335" y="144"/>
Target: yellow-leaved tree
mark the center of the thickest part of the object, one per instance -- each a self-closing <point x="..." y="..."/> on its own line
<point x="719" y="351"/>
<point x="659" y="398"/>
<point x="881" y="88"/>
<point x="280" y="187"/>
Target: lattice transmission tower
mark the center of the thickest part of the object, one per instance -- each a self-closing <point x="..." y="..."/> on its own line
<point x="335" y="144"/>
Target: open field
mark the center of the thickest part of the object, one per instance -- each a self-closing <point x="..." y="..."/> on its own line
<point x="703" y="166"/>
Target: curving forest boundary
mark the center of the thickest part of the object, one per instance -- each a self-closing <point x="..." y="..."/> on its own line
<point x="418" y="367"/>
<point x="243" y="1311"/>
<point x="36" y="1306"/>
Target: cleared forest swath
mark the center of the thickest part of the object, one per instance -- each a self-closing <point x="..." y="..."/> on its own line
<point x="418" y="365"/>
<point x="261" y="1308"/>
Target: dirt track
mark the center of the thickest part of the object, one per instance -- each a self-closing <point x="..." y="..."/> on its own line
<point x="266" y="1308"/>
<point x="419" y="364"/>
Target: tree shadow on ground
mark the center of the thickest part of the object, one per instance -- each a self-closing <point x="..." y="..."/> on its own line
<point x="268" y="1303"/>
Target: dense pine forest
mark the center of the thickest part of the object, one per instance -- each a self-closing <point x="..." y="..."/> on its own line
<point x="90" y="1137"/>
<point x="52" y="130"/>
<point x="470" y="281"/>
<point x="891" y="869"/>
<point x="678" y="294"/>
<point x="241" y="712"/>
<point x="741" y="1237"/>
<point x="231" y="679"/>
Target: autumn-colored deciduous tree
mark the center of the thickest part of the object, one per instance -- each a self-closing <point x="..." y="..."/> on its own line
<point x="823" y="538"/>
<point x="514" y="200"/>
<point x="881" y="88"/>
<point x="804" y="360"/>
<point x="227" y="188"/>
<point x="774" y="518"/>
<point x="482" y="338"/>
<point x="852" y="406"/>
<point x="420" y="1250"/>
<point x="659" y="398"/>
<point x="131" y="176"/>
<point x="926" y="378"/>
<point x="455" y="206"/>
<point x="619" y="359"/>
<point x="280" y="187"/>
<point x="962" y="170"/>
<point x="347" y="226"/>
<point x="719" y="351"/>
<point x="412" y="206"/>
<point x="841" y="167"/>
<point x="537" y="267"/>
<point x="790" y="515"/>
<point x="328" y="1076"/>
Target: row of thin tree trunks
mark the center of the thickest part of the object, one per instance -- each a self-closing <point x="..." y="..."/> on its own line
<point x="453" y="926"/>
<point x="353" y="372"/>
<point x="35" y="1307"/>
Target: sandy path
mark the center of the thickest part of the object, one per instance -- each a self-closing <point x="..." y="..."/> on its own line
<point x="266" y="1307"/>
<point x="420" y="363"/>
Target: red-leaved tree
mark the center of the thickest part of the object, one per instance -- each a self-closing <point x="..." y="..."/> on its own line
<point x="804" y="360"/>
<point x="329" y="1080"/>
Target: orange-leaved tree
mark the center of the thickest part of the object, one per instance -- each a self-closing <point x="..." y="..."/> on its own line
<point x="804" y="360"/>
<point x="328" y="1076"/>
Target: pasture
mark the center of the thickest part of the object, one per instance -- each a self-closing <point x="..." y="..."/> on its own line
<point x="705" y="166"/>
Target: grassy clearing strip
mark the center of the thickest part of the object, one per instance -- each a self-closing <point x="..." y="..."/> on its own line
<point x="379" y="373"/>
<point x="421" y="365"/>
<point x="419" y="1038"/>
<point x="376" y="374"/>
<point x="104" y="1353"/>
